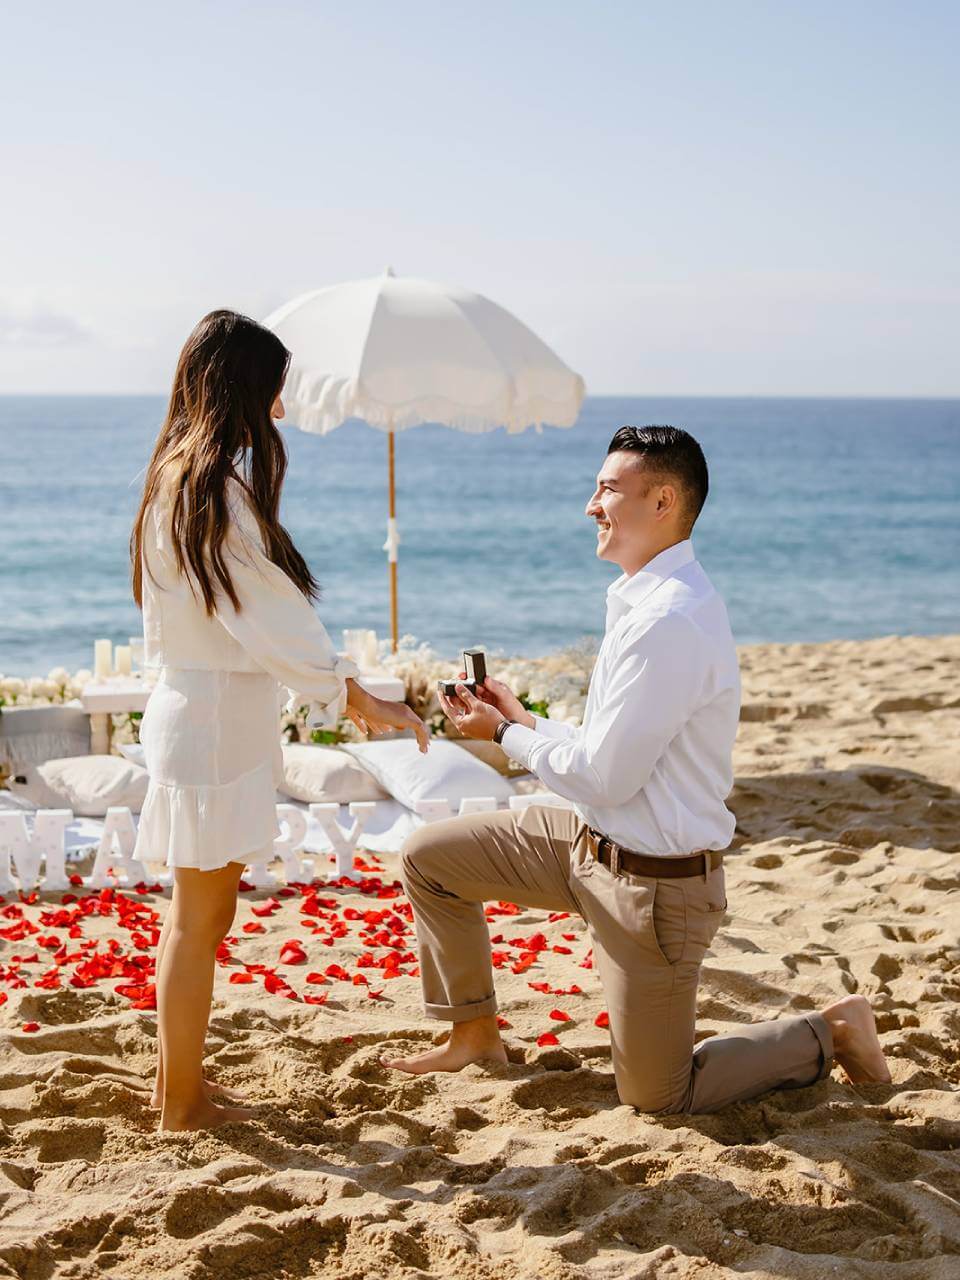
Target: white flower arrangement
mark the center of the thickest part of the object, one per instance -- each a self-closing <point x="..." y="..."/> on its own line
<point x="57" y="687"/>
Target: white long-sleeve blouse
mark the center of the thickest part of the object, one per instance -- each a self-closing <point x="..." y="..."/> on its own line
<point x="275" y="630"/>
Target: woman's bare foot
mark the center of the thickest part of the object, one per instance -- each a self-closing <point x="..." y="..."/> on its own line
<point x="202" y="1115"/>
<point x="475" y="1041"/>
<point x="211" y="1088"/>
<point x="856" y="1045"/>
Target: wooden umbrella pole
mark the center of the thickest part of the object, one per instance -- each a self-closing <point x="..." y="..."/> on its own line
<point x="391" y="543"/>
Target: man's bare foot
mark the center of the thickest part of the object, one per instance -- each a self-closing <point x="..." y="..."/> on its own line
<point x="475" y="1041"/>
<point x="856" y="1045"/>
<point x="202" y="1115"/>
<point x="210" y="1087"/>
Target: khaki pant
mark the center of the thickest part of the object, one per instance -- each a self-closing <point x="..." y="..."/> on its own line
<point x="649" y="937"/>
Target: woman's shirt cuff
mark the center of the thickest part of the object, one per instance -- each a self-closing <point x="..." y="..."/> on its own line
<point x="321" y="714"/>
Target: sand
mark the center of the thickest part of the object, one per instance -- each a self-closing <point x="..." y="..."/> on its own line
<point x="844" y="879"/>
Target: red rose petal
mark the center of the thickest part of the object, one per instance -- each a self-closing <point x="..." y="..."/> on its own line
<point x="239" y="978"/>
<point x="266" y="908"/>
<point x="558" y="1015"/>
<point x="547" y="1038"/>
<point x="602" y="1019"/>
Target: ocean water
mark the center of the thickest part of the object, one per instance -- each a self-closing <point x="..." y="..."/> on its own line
<point x="826" y="519"/>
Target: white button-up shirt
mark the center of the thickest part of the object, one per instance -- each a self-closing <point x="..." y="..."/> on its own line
<point x="651" y="764"/>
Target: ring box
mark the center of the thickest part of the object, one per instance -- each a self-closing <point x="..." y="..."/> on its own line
<point x="449" y="687"/>
<point x="475" y="665"/>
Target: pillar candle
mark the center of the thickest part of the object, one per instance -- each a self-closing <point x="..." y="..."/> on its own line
<point x="370" y="649"/>
<point x="122" y="657"/>
<point x="102" y="659"/>
<point x="352" y="643"/>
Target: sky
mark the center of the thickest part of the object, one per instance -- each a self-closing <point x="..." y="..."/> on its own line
<point x="740" y="198"/>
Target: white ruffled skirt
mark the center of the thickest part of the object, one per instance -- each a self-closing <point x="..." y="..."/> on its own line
<point x="211" y="744"/>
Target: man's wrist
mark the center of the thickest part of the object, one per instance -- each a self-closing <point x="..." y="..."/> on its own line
<point x="501" y="729"/>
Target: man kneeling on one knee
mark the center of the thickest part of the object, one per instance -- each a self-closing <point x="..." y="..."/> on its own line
<point x="639" y="855"/>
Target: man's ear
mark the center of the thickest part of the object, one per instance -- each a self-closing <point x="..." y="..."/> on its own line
<point x="667" y="499"/>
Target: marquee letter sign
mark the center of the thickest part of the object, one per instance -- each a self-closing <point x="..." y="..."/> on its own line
<point x="26" y="847"/>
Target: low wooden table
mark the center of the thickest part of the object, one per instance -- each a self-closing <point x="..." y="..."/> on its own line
<point x="119" y="695"/>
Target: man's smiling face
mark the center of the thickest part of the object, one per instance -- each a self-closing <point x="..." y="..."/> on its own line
<point x="625" y="506"/>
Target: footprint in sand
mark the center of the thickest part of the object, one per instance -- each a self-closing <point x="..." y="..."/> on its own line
<point x="199" y="1208"/>
<point x="56" y="1140"/>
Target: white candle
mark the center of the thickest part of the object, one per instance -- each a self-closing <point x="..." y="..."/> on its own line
<point x="102" y="659"/>
<point x="370" y="650"/>
<point x="123" y="659"/>
<point x="352" y="641"/>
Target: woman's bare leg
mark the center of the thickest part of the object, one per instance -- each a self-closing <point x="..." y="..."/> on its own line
<point x="211" y="1086"/>
<point x="203" y="907"/>
<point x="157" y="1098"/>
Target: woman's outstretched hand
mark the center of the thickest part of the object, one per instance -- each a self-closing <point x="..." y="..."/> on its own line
<point x="376" y="715"/>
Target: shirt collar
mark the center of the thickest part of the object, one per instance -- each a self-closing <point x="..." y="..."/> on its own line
<point x="631" y="588"/>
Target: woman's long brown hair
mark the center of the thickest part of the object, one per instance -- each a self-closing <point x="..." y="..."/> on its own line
<point x="218" y="426"/>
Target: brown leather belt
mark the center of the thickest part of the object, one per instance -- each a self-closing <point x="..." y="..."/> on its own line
<point x="618" y="859"/>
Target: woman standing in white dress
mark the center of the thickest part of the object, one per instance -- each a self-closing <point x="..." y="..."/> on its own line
<point x="226" y="601"/>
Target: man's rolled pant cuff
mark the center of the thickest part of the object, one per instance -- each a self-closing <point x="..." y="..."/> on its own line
<point x="462" y="1012"/>
<point x="821" y="1029"/>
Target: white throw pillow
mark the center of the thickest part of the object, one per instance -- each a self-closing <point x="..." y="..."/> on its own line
<point x="88" y="785"/>
<point x="492" y="755"/>
<point x="444" y="772"/>
<point x="326" y="774"/>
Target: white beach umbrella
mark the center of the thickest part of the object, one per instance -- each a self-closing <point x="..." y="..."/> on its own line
<point x="396" y="351"/>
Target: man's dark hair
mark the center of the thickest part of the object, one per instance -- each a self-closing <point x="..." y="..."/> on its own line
<point x="669" y="452"/>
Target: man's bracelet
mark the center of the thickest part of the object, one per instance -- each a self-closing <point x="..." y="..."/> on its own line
<point x="501" y="729"/>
